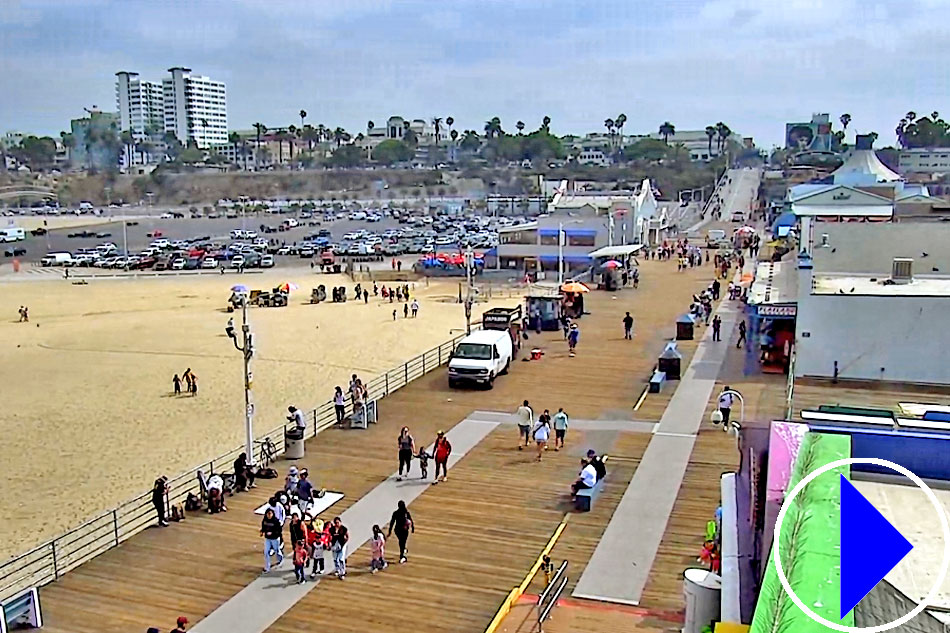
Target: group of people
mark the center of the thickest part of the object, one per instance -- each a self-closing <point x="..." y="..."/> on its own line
<point x="24" y="314"/>
<point x="539" y="429"/>
<point x="190" y="380"/>
<point x="593" y="469"/>
<point x="407" y="451"/>
<point x="181" y="626"/>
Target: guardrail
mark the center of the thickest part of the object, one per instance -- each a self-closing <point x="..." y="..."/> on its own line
<point x="551" y="594"/>
<point x="47" y="562"/>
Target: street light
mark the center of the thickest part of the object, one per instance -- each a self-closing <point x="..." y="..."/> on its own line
<point x="560" y="249"/>
<point x="247" y="350"/>
<point x="470" y="293"/>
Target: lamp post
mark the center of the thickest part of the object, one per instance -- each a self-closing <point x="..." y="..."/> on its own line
<point x="470" y="293"/>
<point x="247" y="350"/>
<point x="560" y="249"/>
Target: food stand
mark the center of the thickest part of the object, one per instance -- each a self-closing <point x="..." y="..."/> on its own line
<point x="773" y="308"/>
<point x="505" y="319"/>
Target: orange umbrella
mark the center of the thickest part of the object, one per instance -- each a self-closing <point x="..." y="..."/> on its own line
<point x="574" y="286"/>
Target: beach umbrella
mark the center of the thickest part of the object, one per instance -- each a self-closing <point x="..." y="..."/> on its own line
<point x="287" y="287"/>
<point x="745" y="230"/>
<point x="612" y="263"/>
<point x="239" y="288"/>
<point x="574" y="286"/>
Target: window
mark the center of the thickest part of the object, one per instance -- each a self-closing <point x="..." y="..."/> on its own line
<point x="580" y="240"/>
<point x="549" y="240"/>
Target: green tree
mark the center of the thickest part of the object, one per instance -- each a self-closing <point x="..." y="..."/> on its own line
<point x="409" y="138"/>
<point x="619" y="122"/>
<point x="520" y="126"/>
<point x="710" y="135"/>
<point x="546" y="124"/>
<point x="609" y="124"/>
<point x="493" y="128"/>
<point x="291" y="135"/>
<point x="259" y="129"/>
<point x="392" y="151"/>
<point x="845" y="120"/>
<point x="450" y="122"/>
<point x="340" y="136"/>
<point x="723" y="131"/>
<point x="471" y="141"/>
<point x="648" y="149"/>
<point x="303" y="118"/>
<point x="346" y="156"/>
<point x="437" y="124"/>
<point x="667" y="130"/>
<point x="190" y="155"/>
<point x="38" y="153"/>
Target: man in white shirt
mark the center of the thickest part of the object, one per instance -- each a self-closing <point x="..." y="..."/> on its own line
<point x="525" y="416"/>
<point x="296" y="416"/>
<point x="725" y="405"/>
<point x="587" y="478"/>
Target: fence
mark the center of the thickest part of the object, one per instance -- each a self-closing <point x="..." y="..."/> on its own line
<point x="551" y="594"/>
<point x="47" y="562"/>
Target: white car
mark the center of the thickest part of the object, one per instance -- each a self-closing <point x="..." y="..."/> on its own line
<point x="166" y="216"/>
<point x="358" y="215"/>
<point x="267" y="261"/>
<point x="373" y="217"/>
<point x="444" y="241"/>
<point x="352" y="236"/>
<point x="160" y="243"/>
<point x="209" y="262"/>
<point x="237" y="261"/>
<point x="178" y="264"/>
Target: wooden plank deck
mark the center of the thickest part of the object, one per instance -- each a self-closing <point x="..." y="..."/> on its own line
<point x="477" y="538"/>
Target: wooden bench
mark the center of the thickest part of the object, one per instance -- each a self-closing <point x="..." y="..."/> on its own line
<point x="23" y="608"/>
<point x="584" y="499"/>
<point x="656" y="382"/>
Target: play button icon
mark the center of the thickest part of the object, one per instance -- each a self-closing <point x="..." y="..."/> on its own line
<point x="870" y="546"/>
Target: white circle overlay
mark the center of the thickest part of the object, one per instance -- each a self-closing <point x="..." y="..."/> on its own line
<point x="943" y="524"/>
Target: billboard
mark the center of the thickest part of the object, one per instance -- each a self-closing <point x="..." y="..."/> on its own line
<point x="811" y="136"/>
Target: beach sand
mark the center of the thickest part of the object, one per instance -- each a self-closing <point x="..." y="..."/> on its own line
<point x="88" y="417"/>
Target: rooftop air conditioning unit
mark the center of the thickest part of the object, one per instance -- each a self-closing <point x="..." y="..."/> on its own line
<point x="902" y="270"/>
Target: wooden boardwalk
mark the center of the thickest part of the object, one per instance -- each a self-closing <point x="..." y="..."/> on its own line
<point x="478" y="534"/>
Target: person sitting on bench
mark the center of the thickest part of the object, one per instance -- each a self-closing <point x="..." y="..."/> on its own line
<point x="243" y="474"/>
<point x="587" y="478"/>
<point x="598" y="464"/>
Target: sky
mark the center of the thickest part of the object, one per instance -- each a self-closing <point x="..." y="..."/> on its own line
<point x="754" y="64"/>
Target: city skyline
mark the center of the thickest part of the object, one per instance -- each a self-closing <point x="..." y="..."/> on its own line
<point x="691" y="62"/>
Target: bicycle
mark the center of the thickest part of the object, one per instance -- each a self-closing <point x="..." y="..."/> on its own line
<point x="268" y="452"/>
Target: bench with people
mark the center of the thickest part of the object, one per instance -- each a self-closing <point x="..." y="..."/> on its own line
<point x="589" y="482"/>
<point x="21" y="611"/>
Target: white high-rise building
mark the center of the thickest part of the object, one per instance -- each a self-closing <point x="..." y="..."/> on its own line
<point x="140" y="104"/>
<point x="195" y="108"/>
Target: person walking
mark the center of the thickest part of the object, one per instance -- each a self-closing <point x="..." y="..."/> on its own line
<point x="319" y="540"/>
<point x="194" y="385"/>
<point x="176" y="384"/>
<point x="378" y="542"/>
<point x="726" y="401"/>
<point x="159" y="493"/>
<point x="742" y="331"/>
<point x="401" y="522"/>
<point x="716" y="328"/>
<point x="572" y="339"/>
<point x="365" y="296"/>
<point x="304" y="492"/>
<point x="442" y="450"/>
<point x="272" y="531"/>
<point x="339" y="537"/>
<point x="560" y="428"/>
<point x="405" y="311"/>
<point x="407" y="448"/>
<point x="525" y="417"/>
<point x="415" y="308"/>
<point x="187" y="378"/>
<point x="339" y="405"/>
<point x="300" y="562"/>
<point x="716" y="286"/>
<point x="628" y="327"/>
<point x="541" y="432"/>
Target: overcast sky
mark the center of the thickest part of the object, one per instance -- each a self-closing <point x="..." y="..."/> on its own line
<point x="754" y="64"/>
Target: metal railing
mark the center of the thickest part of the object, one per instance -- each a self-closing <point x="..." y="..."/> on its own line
<point x="48" y="561"/>
<point x="551" y="594"/>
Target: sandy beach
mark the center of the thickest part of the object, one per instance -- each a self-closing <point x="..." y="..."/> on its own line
<point x="89" y="418"/>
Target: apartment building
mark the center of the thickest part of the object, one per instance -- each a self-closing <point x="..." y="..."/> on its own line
<point x="195" y="108"/>
<point x="140" y="104"/>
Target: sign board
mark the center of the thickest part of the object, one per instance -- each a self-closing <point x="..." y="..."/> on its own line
<point x="778" y="311"/>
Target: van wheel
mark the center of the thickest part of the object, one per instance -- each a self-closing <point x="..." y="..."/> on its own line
<point x="491" y="381"/>
<point x="452" y="383"/>
<point x="507" y="365"/>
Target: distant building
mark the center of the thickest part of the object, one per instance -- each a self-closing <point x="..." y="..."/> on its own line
<point x="593" y="157"/>
<point x="95" y="141"/>
<point x="698" y="144"/>
<point x="140" y="104"/>
<point x="196" y="108"/>
<point x="811" y="136"/>
<point x="924" y="160"/>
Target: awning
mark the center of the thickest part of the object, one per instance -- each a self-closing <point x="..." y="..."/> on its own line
<point x="840" y="210"/>
<point x="617" y="251"/>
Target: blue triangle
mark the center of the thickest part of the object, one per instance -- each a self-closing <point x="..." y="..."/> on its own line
<point x="870" y="546"/>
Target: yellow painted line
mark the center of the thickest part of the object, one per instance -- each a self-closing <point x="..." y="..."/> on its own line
<point x="516" y="592"/>
<point x="643" y="396"/>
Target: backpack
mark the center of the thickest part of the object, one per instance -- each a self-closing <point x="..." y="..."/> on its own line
<point x="192" y="502"/>
<point x="267" y="473"/>
<point x="177" y="513"/>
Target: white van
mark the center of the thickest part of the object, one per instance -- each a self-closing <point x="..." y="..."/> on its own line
<point x="480" y="357"/>
<point x="12" y="234"/>
<point x="57" y="259"/>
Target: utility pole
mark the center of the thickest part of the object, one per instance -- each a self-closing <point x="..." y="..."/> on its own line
<point x="470" y="294"/>
<point x="247" y="350"/>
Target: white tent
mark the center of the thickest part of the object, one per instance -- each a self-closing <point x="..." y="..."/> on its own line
<point x="863" y="167"/>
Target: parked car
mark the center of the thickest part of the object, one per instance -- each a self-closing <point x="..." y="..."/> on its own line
<point x="16" y="251"/>
<point x="237" y="261"/>
<point x="209" y="263"/>
<point x="178" y="264"/>
<point x="267" y="261"/>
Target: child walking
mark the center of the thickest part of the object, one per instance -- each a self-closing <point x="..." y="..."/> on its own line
<point x="300" y="561"/>
<point x="424" y="462"/>
<point x="379" y="550"/>
<point x="319" y="539"/>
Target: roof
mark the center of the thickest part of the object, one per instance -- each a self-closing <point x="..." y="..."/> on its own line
<point x="518" y="227"/>
<point x="864" y="167"/>
<point x="616" y="251"/>
<point x="775" y="283"/>
<point x="870" y="247"/>
<point x="833" y="210"/>
<point x="886" y="603"/>
<point x="865" y="285"/>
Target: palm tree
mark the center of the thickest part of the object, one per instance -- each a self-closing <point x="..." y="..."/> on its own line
<point x="450" y="122"/>
<point x="910" y="116"/>
<point x="259" y="128"/>
<point x="454" y="134"/>
<point x="900" y="131"/>
<point x="724" y="133"/>
<point x="710" y="134"/>
<point x="609" y="124"/>
<point x="667" y="130"/>
<point x="281" y="136"/>
<point x="493" y="127"/>
<point x="546" y="124"/>
<point x="437" y="124"/>
<point x="620" y="121"/>
<point x="520" y="126"/>
<point x="845" y="120"/>
<point x="234" y="139"/>
<point x="370" y="125"/>
<point x="340" y="135"/>
<point x="934" y="116"/>
<point x="873" y="136"/>
<point x="127" y="142"/>
<point x="291" y="135"/>
<point x="303" y="117"/>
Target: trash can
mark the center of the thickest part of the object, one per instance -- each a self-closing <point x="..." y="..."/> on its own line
<point x="670" y="361"/>
<point x="684" y="327"/>
<point x="701" y="591"/>
<point x="293" y="443"/>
